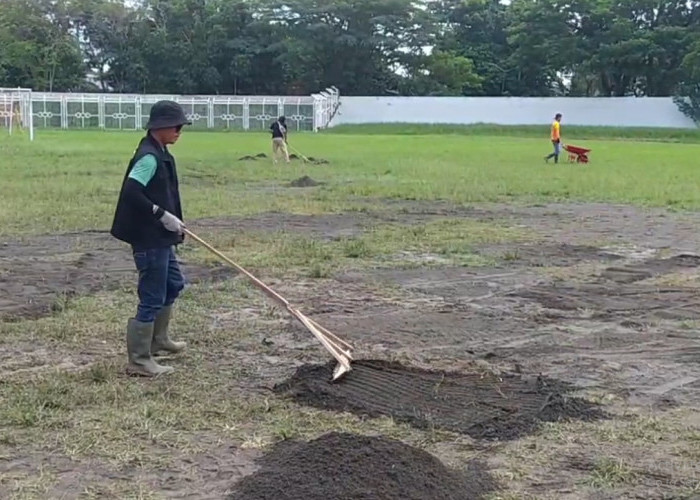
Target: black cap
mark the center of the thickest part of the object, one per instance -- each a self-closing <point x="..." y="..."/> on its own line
<point x="166" y="114"/>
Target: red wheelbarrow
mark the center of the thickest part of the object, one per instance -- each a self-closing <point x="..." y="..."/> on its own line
<point x="577" y="154"/>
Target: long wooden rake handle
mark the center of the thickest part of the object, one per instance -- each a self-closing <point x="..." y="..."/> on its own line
<point x="337" y="347"/>
<point x="262" y="286"/>
<point x="297" y="152"/>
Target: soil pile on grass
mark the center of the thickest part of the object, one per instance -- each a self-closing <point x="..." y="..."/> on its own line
<point x="317" y="161"/>
<point x="310" y="159"/>
<point x="252" y="158"/>
<point x="304" y="181"/>
<point x="293" y="156"/>
<point x="345" y="466"/>
<point x="481" y="405"/>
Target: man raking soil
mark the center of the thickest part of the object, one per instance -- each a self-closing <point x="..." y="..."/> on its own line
<point x="279" y="139"/>
<point x="149" y="218"/>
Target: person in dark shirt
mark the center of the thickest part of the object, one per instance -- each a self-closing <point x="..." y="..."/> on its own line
<point x="279" y="139"/>
<point x="148" y="217"/>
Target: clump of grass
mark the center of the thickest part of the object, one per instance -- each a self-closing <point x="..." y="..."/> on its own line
<point x="319" y="270"/>
<point x="610" y="473"/>
<point x="511" y="255"/>
<point x="356" y="249"/>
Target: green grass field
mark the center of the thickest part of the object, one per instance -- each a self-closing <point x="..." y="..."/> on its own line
<point x="86" y="168"/>
<point x="71" y="424"/>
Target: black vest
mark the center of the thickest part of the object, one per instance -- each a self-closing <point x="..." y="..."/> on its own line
<point x="143" y="230"/>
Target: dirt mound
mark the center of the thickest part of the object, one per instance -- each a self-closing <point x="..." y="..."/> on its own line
<point x="345" y="466"/>
<point x="252" y="158"/>
<point x="304" y="181"/>
<point x="309" y="159"/>
<point x="317" y="161"/>
<point x="293" y="156"/>
<point x="481" y="405"/>
<point x="651" y="268"/>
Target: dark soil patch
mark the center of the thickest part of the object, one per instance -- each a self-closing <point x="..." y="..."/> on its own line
<point x="252" y="158"/>
<point x="39" y="275"/>
<point x="308" y="159"/>
<point x="317" y="161"/>
<point x="651" y="268"/>
<point x="345" y="466"/>
<point x="304" y="181"/>
<point x="601" y="302"/>
<point x="480" y="405"/>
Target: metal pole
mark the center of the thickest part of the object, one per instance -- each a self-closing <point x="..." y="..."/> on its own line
<point x="31" y="117"/>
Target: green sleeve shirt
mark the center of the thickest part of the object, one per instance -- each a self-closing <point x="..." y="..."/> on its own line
<point x="144" y="170"/>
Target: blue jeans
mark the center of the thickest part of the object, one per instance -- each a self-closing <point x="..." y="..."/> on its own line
<point x="160" y="281"/>
<point x="557" y="147"/>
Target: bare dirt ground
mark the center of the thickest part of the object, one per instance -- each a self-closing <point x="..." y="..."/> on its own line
<point x="605" y="299"/>
<point x="39" y="274"/>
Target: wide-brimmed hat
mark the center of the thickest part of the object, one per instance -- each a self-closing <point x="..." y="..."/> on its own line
<point x="166" y="114"/>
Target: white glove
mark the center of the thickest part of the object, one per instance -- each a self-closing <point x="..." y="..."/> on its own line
<point x="172" y="223"/>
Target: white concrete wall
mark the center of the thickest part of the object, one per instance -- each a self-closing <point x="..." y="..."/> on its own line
<point x="611" y="111"/>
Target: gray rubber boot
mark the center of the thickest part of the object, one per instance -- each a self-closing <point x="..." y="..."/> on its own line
<point x="161" y="340"/>
<point x="138" y="343"/>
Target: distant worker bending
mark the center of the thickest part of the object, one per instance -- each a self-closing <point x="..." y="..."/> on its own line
<point x="279" y="139"/>
<point x="556" y="139"/>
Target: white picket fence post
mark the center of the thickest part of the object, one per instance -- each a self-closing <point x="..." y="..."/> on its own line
<point x="16" y="109"/>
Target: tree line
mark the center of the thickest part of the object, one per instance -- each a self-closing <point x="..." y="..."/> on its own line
<point x="364" y="47"/>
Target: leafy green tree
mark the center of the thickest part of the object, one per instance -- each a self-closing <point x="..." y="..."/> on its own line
<point x="444" y="73"/>
<point x="687" y="96"/>
<point x="354" y="45"/>
<point x="479" y="47"/>
<point x="37" y="49"/>
<point x="476" y="29"/>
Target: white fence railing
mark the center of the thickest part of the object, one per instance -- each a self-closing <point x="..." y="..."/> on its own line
<point x="16" y="109"/>
<point x="130" y="111"/>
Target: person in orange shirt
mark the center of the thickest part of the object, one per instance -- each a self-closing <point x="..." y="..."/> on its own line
<point x="556" y="139"/>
